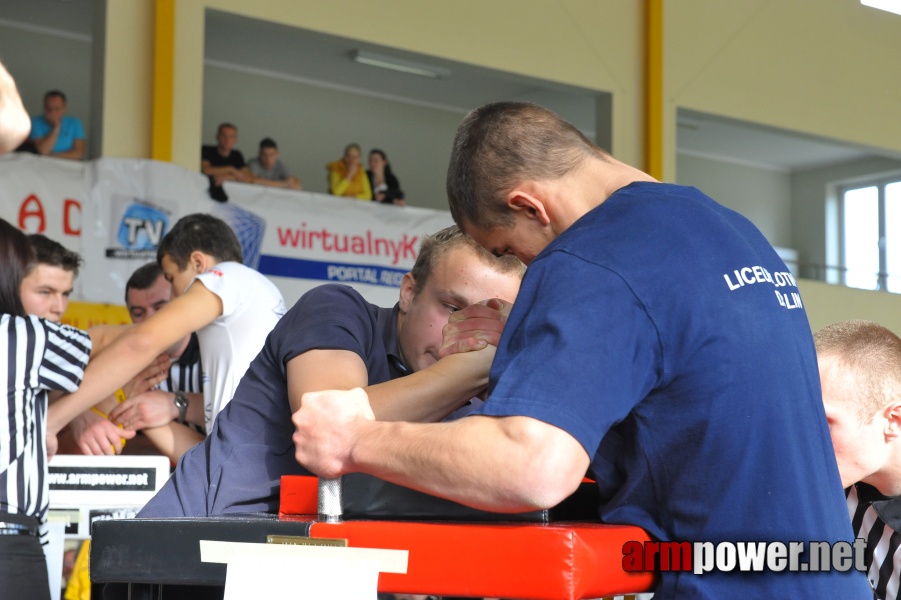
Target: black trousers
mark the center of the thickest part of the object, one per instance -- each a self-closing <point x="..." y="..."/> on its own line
<point x="23" y="568"/>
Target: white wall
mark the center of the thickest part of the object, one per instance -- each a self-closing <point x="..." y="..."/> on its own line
<point x="312" y="125"/>
<point x="826" y="304"/>
<point x="752" y="62"/>
<point x="823" y="67"/>
<point x="762" y="195"/>
<point x="40" y="61"/>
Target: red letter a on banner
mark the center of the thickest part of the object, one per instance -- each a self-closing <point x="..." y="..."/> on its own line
<point x="26" y="211"/>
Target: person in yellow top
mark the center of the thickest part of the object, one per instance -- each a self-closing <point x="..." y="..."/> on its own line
<point x="78" y="586"/>
<point x="346" y="177"/>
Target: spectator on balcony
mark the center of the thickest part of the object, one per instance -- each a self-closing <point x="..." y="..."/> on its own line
<point x="267" y="168"/>
<point x="385" y="186"/>
<point x="346" y="177"/>
<point x="55" y="133"/>
<point x="222" y="162"/>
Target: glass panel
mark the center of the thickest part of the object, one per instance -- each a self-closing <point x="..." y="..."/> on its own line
<point x="893" y="235"/>
<point x="861" y="241"/>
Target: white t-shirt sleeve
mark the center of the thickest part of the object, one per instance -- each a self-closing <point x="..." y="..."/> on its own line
<point x="223" y="281"/>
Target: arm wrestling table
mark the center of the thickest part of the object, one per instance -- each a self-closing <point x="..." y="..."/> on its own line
<point x="559" y="560"/>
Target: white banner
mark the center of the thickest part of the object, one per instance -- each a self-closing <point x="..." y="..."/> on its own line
<point x="306" y="239"/>
<point x="44" y="195"/>
<point x="115" y="211"/>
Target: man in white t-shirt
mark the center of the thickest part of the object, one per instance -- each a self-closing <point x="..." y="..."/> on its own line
<point x="231" y="307"/>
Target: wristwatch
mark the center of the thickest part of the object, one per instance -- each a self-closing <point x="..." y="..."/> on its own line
<point x="181" y="403"/>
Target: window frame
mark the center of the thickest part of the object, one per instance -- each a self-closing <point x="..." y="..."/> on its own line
<point x="881" y="273"/>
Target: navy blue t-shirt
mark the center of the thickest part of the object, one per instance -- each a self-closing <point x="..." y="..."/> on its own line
<point x="239" y="466"/>
<point x="665" y="334"/>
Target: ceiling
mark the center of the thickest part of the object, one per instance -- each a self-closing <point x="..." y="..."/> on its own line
<point x="320" y="59"/>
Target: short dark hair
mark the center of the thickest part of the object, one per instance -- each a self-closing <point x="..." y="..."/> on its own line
<point x="50" y="252"/>
<point x="268" y="143"/>
<point x="502" y="144"/>
<point x="435" y="247"/>
<point x="199" y="232"/>
<point x="55" y="94"/>
<point x="143" y="278"/>
<point x="16" y="257"/>
<point x="223" y="126"/>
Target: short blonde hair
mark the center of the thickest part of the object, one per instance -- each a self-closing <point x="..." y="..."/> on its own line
<point x="870" y="356"/>
<point x="435" y="247"/>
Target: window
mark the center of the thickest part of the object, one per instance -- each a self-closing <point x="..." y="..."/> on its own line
<point x="871" y="235"/>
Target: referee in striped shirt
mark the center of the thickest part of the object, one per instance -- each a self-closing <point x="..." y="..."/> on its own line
<point x="38" y="356"/>
<point x="860" y="371"/>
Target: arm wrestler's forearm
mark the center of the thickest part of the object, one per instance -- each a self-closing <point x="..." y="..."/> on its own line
<point x="510" y="464"/>
<point x="173" y="439"/>
<point x="433" y="393"/>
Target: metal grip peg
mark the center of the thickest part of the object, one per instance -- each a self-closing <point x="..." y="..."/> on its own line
<point x="329" y="500"/>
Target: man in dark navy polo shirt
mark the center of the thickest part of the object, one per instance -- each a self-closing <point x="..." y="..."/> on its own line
<point x="334" y="339"/>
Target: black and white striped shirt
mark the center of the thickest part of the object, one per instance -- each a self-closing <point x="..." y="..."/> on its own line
<point x="186" y="373"/>
<point x="36" y="356"/>
<point x="183" y="378"/>
<point x="877" y="519"/>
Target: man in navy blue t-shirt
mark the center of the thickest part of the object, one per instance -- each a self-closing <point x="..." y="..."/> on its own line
<point x="658" y="342"/>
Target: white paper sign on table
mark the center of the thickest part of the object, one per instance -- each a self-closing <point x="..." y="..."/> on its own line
<point x="252" y="575"/>
<point x="280" y="570"/>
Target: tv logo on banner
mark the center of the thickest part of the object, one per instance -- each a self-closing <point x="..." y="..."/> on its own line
<point x="140" y="230"/>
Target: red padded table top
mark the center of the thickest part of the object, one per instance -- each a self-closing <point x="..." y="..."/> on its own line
<point x="564" y="560"/>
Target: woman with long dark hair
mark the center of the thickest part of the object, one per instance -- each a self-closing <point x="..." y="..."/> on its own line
<point x="37" y="356"/>
<point x="385" y="186"/>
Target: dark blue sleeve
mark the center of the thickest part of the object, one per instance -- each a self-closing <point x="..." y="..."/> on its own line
<point x="578" y="351"/>
<point x="237" y="468"/>
<point x="329" y="317"/>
